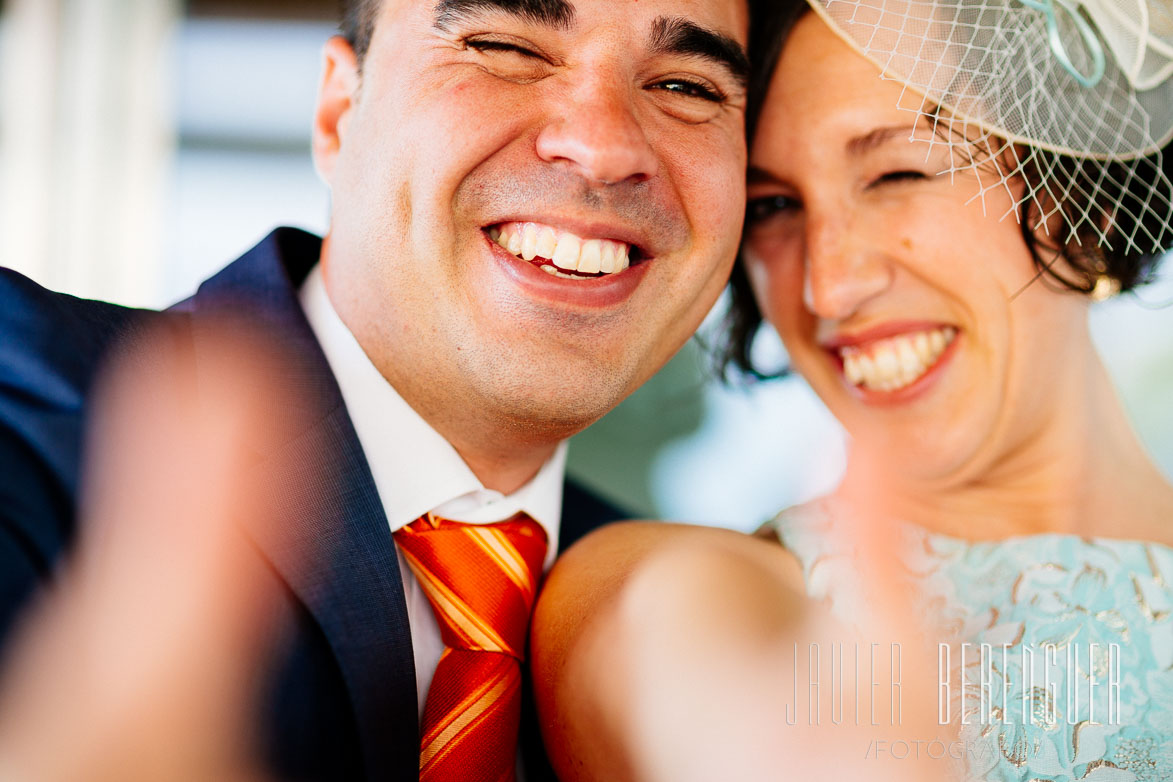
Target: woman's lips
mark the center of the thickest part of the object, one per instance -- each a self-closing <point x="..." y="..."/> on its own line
<point x="883" y="362"/>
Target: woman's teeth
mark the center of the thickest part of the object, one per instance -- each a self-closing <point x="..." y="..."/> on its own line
<point x="893" y="363"/>
<point x="562" y="253"/>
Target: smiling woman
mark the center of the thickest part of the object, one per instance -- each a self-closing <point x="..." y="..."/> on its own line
<point x="908" y="259"/>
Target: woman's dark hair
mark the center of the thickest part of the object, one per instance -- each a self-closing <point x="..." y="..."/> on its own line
<point x="1119" y="194"/>
<point x="770" y="26"/>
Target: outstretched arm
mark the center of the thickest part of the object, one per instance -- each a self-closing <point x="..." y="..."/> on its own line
<point x="667" y="653"/>
<point x="627" y="611"/>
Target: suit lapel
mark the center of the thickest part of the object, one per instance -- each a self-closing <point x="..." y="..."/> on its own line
<point x="332" y="545"/>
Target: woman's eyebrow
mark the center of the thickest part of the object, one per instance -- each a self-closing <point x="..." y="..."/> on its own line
<point x="860" y="145"/>
<point x="755" y="175"/>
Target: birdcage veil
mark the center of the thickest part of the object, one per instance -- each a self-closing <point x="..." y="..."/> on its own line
<point x="1077" y="91"/>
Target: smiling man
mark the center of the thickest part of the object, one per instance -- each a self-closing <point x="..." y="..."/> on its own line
<point x="534" y="204"/>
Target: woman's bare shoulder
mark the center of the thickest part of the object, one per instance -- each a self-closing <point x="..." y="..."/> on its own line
<point x="592" y="571"/>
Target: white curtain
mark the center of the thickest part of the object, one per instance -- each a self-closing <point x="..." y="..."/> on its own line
<point x="86" y="143"/>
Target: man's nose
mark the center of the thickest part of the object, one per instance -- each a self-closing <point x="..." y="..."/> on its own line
<point x="842" y="270"/>
<point x="596" y="130"/>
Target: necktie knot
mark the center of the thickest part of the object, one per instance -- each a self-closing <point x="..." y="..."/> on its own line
<point x="481" y="579"/>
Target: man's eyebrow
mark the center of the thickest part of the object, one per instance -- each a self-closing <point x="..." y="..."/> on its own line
<point x="556" y="14"/>
<point x="677" y="35"/>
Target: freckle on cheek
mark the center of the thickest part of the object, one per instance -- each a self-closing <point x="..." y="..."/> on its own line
<point x="906" y="243"/>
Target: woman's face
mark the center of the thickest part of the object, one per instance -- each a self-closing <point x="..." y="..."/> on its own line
<point x="891" y="287"/>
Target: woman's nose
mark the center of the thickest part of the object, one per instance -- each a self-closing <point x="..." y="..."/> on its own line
<point x="842" y="269"/>
<point x="597" y="131"/>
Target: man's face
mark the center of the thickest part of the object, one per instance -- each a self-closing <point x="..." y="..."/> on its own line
<point x="580" y="136"/>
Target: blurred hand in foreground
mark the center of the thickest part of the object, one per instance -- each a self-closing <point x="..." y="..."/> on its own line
<point x="143" y="662"/>
<point x="670" y="653"/>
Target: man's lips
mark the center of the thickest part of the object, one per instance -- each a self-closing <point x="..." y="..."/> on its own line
<point x="892" y="357"/>
<point x="580" y="292"/>
<point x="563" y="253"/>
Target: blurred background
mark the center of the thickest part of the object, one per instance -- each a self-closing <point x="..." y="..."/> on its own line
<point x="144" y="144"/>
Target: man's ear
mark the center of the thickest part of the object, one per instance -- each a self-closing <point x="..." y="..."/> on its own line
<point x="337" y="97"/>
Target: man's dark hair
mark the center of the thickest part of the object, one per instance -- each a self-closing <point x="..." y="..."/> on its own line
<point x="1121" y="192"/>
<point x="358" y="24"/>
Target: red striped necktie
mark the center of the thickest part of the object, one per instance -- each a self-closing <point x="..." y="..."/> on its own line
<point x="481" y="580"/>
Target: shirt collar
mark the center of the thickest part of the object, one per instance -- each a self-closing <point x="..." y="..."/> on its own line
<point x="415" y="469"/>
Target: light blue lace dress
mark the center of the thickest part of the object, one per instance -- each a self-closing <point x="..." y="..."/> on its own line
<point x="1101" y="604"/>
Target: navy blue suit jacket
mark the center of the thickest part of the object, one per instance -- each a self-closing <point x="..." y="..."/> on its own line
<point x="342" y="701"/>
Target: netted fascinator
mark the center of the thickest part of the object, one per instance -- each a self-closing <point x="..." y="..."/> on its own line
<point x="1073" y="95"/>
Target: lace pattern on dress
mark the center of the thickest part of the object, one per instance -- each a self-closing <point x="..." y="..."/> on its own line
<point x="1082" y="596"/>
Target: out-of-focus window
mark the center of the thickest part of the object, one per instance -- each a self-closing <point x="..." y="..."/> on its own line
<point x="144" y="143"/>
<point x="85" y="142"/>
<point x="245" y="81"/>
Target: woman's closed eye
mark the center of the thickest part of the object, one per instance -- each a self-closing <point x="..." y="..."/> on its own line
<point x="899" y="177"/>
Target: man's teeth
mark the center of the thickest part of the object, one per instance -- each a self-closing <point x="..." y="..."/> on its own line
<point x="561" y="250"/>
<point x="893" y="363"/>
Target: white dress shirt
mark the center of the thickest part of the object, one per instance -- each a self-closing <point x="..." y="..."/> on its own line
<point x="416" y="470"/>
